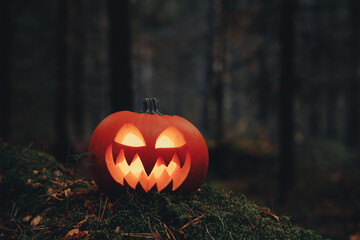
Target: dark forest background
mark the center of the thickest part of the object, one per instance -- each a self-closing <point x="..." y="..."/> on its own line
<point x="272" y="85"/>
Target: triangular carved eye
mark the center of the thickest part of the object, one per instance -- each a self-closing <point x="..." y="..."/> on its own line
<point x="170" y="138"/>
<point x="130" y="135"/>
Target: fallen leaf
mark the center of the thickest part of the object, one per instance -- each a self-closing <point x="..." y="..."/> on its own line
<point x="79" y="192"/>
<point x="355" y="236"/>
<point x="50" y="190"/>
<point x="58" y="173"/>
<point x="74" y="234"/>
<point x="111" y="208"/>
<point x="35" y="185"/>
<point x="82" y="221"/>
<point x="88" y="204"/>
<point x="269" y="213"/>
<point x="71" y="234"/>
<point x="27" y="218"/>
<point x="57" y="196"/>
<point x="67" y="192"/>
<point x="117" y="229"/>
<point x="35" y="221"/>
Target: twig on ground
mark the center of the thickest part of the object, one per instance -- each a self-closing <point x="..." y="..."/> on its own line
<point x="102" y="215"/>
<point x="207" y="230"/>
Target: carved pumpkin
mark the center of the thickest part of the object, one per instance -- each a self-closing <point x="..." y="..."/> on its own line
<point x="148" y="151"/>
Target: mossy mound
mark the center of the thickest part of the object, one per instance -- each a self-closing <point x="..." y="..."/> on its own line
<point x="41" y="200"/>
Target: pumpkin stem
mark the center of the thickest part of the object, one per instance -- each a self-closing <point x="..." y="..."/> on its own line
<point x="151" y="106"/>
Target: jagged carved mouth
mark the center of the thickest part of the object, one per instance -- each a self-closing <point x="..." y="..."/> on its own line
<point x="161" y="175"/>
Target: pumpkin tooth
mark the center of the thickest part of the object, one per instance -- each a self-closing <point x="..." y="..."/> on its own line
<point x="173" y="165"/>
<point x="120" y="157"/>
<point x="144" y="181"/>
<point x="159" y="168"/>
<point x="131" y="180"/>
<point x="163" y="180"/>
<point x="181" y="153"/>
<point x="113" y="169"/>
<point x="179" y="175"/>
<point x="167" y="155"/>
<point x="129" y="155"/>
<point x="116" y="149"/>
<point x="136" y="166"/>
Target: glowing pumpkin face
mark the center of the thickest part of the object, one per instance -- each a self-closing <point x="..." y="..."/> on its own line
<point x="148" y="151"/>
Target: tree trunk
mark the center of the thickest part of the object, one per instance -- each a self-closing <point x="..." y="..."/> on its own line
<point x="264" y="85"/>
<point x="331" y="99"/>
<point x="286" y="92"/>
<point x="218" y="66"/>
<point x="314" y="115"/>
<point x="332" y="91"/>
<point x="352" y="123"/>
<point x="120" y="55"/>
<point x="207" y="86"/>
<point x="77" y="71"/>
<point x="5" y="69"/>
<point x="62" y="82"/>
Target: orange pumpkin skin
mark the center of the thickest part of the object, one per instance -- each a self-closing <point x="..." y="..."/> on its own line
<point x="110" y="153"/>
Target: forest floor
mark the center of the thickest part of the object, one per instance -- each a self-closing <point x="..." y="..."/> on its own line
<point x="40" y="199"/>
<point x="326" y="194"/>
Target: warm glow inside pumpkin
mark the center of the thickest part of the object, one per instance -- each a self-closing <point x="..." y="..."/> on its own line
<point x="148" y="151"/>
<point x="163" y="171"/>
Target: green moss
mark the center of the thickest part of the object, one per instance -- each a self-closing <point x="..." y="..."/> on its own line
<point x="34" y="184"/>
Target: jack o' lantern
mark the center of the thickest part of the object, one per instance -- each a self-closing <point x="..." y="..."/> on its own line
<point x="147" y="151"/>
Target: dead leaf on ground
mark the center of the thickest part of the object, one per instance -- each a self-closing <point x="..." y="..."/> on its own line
<point x="111" y="208"/>
<point x="82" y="221"/>
<point x="50" y="190"/>
<point x="117" y="229"/>
<point x="35" y="185"/>
<point x="58" y="196"/>
<point x="75" y="234"/>
<point x="35" y="221"/>
<point x="58" y="173"/>
<point x="88" y="204"/>
<point x="80" y="192"/>
<point x="27" y="218"/>
<point x="67" y="192"/>
<point x="355" y="236"/>
<point x="267" y="212"/>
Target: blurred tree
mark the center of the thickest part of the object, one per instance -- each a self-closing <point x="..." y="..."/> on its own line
<point x="62" y="94"/>
<point x="317" y="44"/>
<point x="264" y="84"/>
<point x="332" y="88"/>
<point x="352" y="121"/>
<point x="5" y="69"/>
<point x="77" y="43"/>
<point x="220" y="75"/>
<point x="120" y="55"/>
<point x="218" y="55"/>
<point x="207" y="86"/>
<point x="286" y="98"/>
